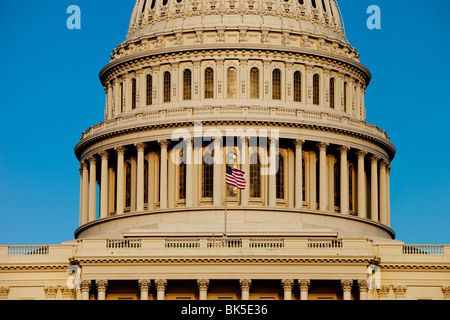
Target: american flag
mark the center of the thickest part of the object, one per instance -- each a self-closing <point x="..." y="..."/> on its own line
<point x="235" y="177"/>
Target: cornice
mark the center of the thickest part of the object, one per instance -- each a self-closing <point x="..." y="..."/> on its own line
<point x="24" y="267"/>
<point x="437" y="266"/>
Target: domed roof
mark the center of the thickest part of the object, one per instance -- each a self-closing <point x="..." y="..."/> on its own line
<point x="311" y="17"/>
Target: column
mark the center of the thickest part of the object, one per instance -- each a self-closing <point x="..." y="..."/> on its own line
<point x="161" y="285"/>
<point x="272" y="175"/>
<point x="81" y="196"/>
<point x="104" y="185"/>
<point x="287" y="288"/>
<point x="163" y="174"/>
<point x="245" y="161"/>
<point x="362" y="212"/>
<point x="217" y="173"/>
<point x="85" y="288"/>
<point x="144" y="286"/>
<point x="323" y="176"/>
<point x="245" y="288"/>
<point x="374" y="188"/>
<point x="116" y="97"/>
<point x="344" y="179"/>
<point x="363" y="289"/>
<point x="120" y="180"/>
<point x="388" y="196"/>
<point x="92" y="187"/>
<point x="299" y="173"/>
<point x="304" y="288"/>
<point x="85" y="193"/>
<point x="140" y="177"/>
<point x="347" y="288"/>
<point x="189" y="172"/>
<point x="101" y="289"/>
<point x="203" y="285"/>
<point x="383" y="192"/>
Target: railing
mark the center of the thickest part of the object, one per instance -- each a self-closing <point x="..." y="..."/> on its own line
<point x="422" y="249"/>
<point x="28" y="250"/>
<point x="266" y="243"/>
<point x="224" y="243"/>
<point x="182" y="243"/>
<point x="326" y="243"/>
<point x="123" y="243"/>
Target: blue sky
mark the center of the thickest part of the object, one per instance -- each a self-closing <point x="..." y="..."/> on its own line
<point x="50" y="93"/>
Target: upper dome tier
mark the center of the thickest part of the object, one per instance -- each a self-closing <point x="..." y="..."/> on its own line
<point x="319" y="17"/>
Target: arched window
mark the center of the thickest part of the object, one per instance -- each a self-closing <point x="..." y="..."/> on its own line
<point x="304" y="179"/>
<point x="127" y="185"/>
<point x="149" y="90"/>
<point x="145" y="182"/>
<point x="323" y="5"/>
<point x="164" y="2"/>
<point x="122" y="100"/>
<point x="297" y="86"/>
<point x="133" y="94"/>
<point x="232" y="83"/>
<point x="187" y="84"/>
<point x="167" y="84"/>
<point x="316" y="89"/>
<point x="276" y="84"/>
<point x="280" y="179"/>
<point x="153" y="4"/>
<point x="345" y="95"/>
<point x="182" y="180"/>
<point x="209" y="83"/>
<point x="255" y="176"/>
<point x="313" y="2"/>
<point x="337" y="185"/>
<point x="351" y="185"/>
<point x="143" y="6"/>
<point x="207" y="175"/>
<point x="254" y="83"/>
<point x="301" y="2"/>
<point x="332" y="93"/>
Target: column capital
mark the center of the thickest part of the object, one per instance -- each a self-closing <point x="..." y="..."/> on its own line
<point x="203" y="284"/>
<point x="287" y="284"/>
<point x="361" y="154"/>
<point x="92" y="160"/>
<point x="304" y="284"/>
<point x="4" y="292"/>
<point x="446" y="292"/>
<point x="86" y="285"/>
<point x="83" y="165"/>
<point x="374" y="159"/>
<point x="383" y="292"/>
<point x="346" y="284"/>
<point x="344" y="149"/>
<point x="388" y="169"/>
<point x="322" y="146"/>
<point x="140" y="146"/>
<point x="245" y="284"/>
<point x="101" y="285"/>
<point x="144" y="284"/>
<point x="120" y="150"/>
<point x="400" y="292"/>
<point x="298" y="143"/>
<point x="164" y="144"/>
<point x="362" y="284"/>
<point x="104" y="154"/>
<point x="161" y="284"/>
<point x="383" y="164"/>
<point x="51" y="292"/>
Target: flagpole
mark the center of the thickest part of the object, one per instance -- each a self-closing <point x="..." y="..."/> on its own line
<point x="226" y="201"/>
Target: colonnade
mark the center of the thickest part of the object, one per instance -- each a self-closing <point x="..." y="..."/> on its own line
<point x="367" y="189"/>
<point x="287" y="285"/>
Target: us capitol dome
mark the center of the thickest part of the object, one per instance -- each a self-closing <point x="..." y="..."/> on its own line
<point x="275" y="90"/>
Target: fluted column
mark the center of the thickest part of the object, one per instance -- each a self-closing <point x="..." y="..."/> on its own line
<point x="217" y="173"/>
<point x="140" y="177"/>
<point x="245" y="288"/>
<point x="189" y="172"/>
<point x="245" y="193"/>
<point x="383" y="204"/>
<point x="92" y="187"/>
<point x="374" y="188"/>
<point x="344" y="179"/>
<point x="362" y="211"/>
<point x="287" y="288"/>
<point x="323" y="176"/>
<point x="347" y="289"/>
<point x="388" y="196"/>
<point x="161" y="285"/>
<point x="304" y="288"/>
<point x="203" y="285"/>
<point x="101" y="289"/>
<point x="163" y="174"/>
<point x="104" y="185"/>
<point x="120" y="180"/>
<point x="85" y="288"/>
<point x="85" y="193"/>
<point x="272" y="175"/>
<point x="298" y="173"/>
<point x="144" y="286"/>
<point x="363" y="289"/>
